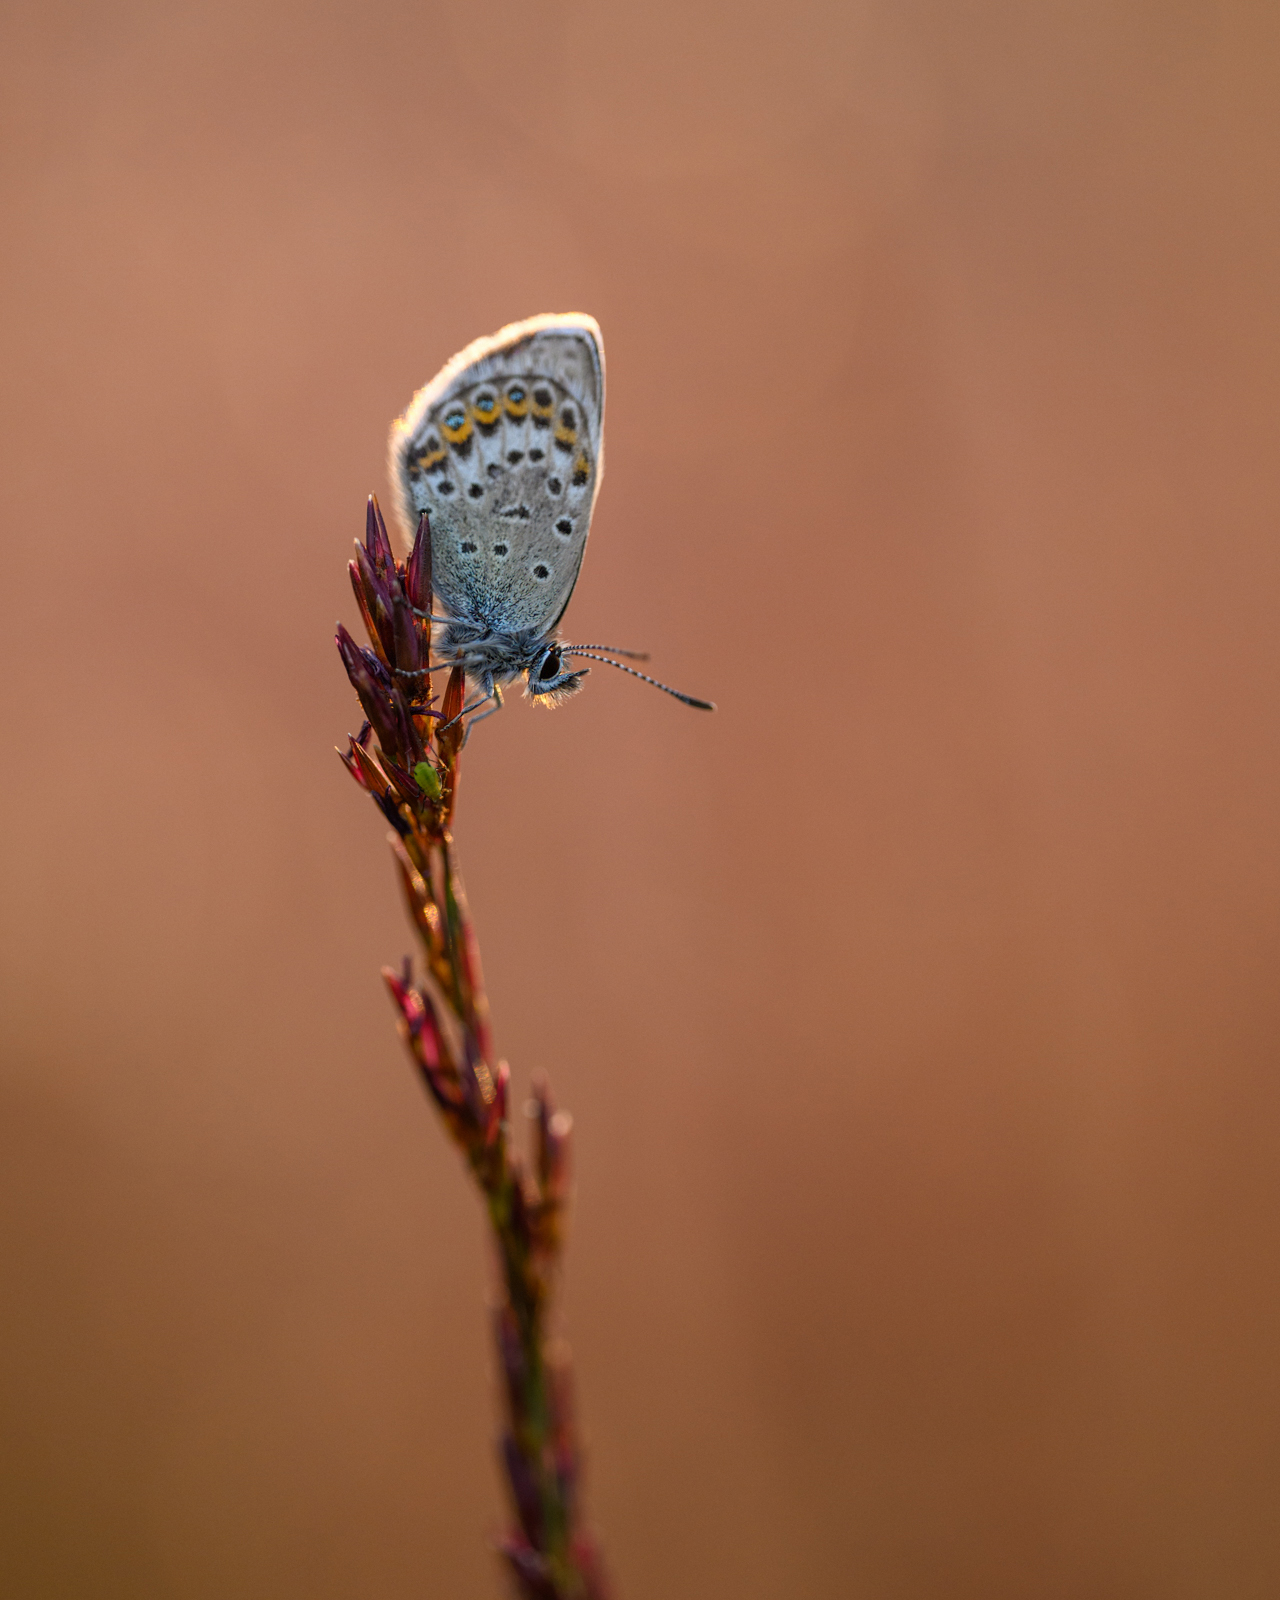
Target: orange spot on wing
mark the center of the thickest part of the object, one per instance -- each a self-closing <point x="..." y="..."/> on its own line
<point x="456" y="432"/>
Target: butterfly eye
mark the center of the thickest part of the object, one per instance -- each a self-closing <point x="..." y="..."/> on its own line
<point x="550" y="667"/>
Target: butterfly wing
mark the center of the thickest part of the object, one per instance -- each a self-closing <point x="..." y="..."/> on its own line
<point x="504" y="449"/>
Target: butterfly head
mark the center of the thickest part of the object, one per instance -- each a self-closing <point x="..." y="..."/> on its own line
<point x="548" y="681"/>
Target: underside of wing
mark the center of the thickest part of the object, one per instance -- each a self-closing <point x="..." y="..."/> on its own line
<point x="504" y="449"/>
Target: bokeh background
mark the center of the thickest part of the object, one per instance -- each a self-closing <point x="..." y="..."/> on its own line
<point x="918" y="1011"/>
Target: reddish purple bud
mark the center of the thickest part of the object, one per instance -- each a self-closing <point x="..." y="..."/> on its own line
<point x="473" y="1072"/>
<point x="380" y="580"/>
<point x="403" y="784"/>
<point x="524" y="1490"/>
<point x="371" y="774"/>
<point x="386" y="634"/>
<point x="551" y="1144"/>
<point x="556" y="1181"/>
<point x="586" y="1558"/>
<point x="418" y="900"/>
<point x="376" y="541"/>
<point x="426" y="1029"/>
<point x="498" y="1105"/>
<point x="563" y="1433"/>
<point x="524" y="1205"/>
<point x="416" y="1010"/>
<point x="531" y="1570"/>
<point x="453" y="694"/>
<point x="362" y="767"/>
<point x="374" y="699"/>
<point x="470" y="953"/>
<point x="404" y="633"/>
<point x="349" y="650"/>
<point x="410" y="738"/>
<point x="422" y="1032"/>
<point x="449" y="739"/>
<point x="511" y="1354"/>
<point x="375" y="606"/>
<point x="362" y="598"/>
<point x="418" y="573"/>
<point x="400" y="987"/>
<point x="368" y="575"/>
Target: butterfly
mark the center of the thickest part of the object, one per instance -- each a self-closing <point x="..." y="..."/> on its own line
<point x="503" y="451"/>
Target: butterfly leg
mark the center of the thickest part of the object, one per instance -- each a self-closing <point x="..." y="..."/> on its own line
<point x="496" y="706"/>
<point x="467" y="710"/>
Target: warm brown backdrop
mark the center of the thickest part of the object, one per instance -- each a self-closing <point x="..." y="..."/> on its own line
<point x="919" y="1012"/>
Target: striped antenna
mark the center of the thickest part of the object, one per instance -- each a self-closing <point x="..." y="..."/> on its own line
<point x="631" y="655"/>
<point x="688" y="699"/>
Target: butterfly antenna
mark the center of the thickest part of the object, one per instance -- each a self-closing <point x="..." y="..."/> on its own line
<point x="688" y="699"/>
<point x="631" y="655"/>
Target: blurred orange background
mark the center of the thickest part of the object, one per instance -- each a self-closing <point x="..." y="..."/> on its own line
<point x="918" y="1012"/>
